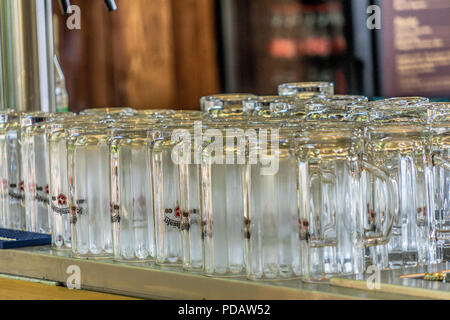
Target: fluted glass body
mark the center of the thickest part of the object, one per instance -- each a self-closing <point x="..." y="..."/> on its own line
<point x="89" y="183"/>
<point x="166" y="205"/>
<point x="12" y="206"/>
<point x="131" y="195"/>
<point x="35" y="175"/>
<point x="338" y="218"/>
<point x="59" y="186"/>
<point x="438" y="217"/>
<point x="400" y="148"/>
<point x="271" y="211"/>
<point x="57" y="134"/>
<point x="222" y="205"/>
<point x="187" y="155"/>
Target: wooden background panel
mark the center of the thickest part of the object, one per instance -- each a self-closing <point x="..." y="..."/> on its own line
<point x="148" y="54"/>
<point x="195" y="50"/>
<point x="84" y="56"/>
<point x="144" y="66"/>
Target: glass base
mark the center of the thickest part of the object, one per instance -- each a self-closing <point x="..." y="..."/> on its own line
<point x="135" y="260"/>
<point x="62" y="249"/>
<point x="276" y="278"/>
<point x="395" y="259"/>
<point x="228" y="273"/>
<point x="411" y="258"/>
<point x="193" y="267"/>
<point x="398" y="259"/>
<point x="170" y="263"/>
<point x="102" y="256"/>
<point x="321" y="280"/>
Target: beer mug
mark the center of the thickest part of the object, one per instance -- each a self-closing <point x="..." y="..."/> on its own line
<point x="400" y="148"/>
<point x="35" y="169"/>
<point x="12" y="211"/>
<point x="224" y="105"/>
<point x="131" y="194"/>
<point x="59" y="185"/>
<point x="57" y="137"/>
<point x="306" y="90"/>
<point x="89" y="184"/>
<point x="271" y="211"/>
<point x="338" y="218"/>
<point x="186" y="155"/>
<point x="166" y="198"/>
<point x="222" y="174"/>
<point x="436" y="223"/>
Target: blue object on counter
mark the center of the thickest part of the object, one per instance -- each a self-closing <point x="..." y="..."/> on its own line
<point x="13" y="239"/>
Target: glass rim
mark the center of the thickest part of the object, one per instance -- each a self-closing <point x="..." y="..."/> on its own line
<point x="308" y="84"/>
<point x="228" y="97"/>
<point x="406" y="102"/>
<point x="397" y="128"/>
<point x="9" y="115"/>
<point x="109" y="111"/>
<point x="38" y="118"/>
<point x="438" y="113"/>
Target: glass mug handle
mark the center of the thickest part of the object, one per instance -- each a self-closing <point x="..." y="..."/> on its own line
<point x="436" y="220"/>
<point x="440" y="162"/>
<point x="391" y="208"/>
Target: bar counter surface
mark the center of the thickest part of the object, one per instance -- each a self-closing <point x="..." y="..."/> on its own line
<point x="145" y="280"/>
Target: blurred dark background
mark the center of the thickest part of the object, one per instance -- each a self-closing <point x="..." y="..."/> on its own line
<point x="169" y="53"/>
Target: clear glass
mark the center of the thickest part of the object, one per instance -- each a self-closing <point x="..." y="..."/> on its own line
<point x="59" y="186"/>
<point x="402" y="102"/>
<point x="271" y="211"/>
<point x="187" y="153"/>
<point x="437" y="221"/>
<point x="89" y="185"/>
<point x="338" y="218"/>
<point x="57" y="133"/>
<point x="387" y="113"/>
<point x="222" y="206"/>
<point x="321" y="110"/>
<point x="342" y="99"/>
<point x="12" y="205"/>
<point x="166" y="205"/>
<point x="400" y="148"/>
<point x="224" y="105"/>
<point x="272" y="106"/>
<point x="306" y="89"/>
<point x="35" y="169"/>
<point x="131" y="195"/>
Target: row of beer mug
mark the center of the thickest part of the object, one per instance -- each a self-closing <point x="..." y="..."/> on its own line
<point x="305" y="184"/>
